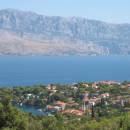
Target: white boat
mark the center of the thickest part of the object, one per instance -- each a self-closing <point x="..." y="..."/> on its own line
<point x="40" y="110"/>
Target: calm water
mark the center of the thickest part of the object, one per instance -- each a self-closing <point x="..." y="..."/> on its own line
<point x="31" y="109"/>
<point x="28" y="70"/>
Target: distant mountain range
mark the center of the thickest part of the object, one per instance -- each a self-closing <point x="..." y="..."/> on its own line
<point x="27" y="33"/>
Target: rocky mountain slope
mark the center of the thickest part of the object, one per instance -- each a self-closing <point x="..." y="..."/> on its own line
<point x="24" y="33"/>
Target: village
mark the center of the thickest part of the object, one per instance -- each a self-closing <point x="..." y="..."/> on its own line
<point x="92" y="99"/>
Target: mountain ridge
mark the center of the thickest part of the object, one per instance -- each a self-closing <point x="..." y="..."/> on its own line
<point x="25" y="33"/>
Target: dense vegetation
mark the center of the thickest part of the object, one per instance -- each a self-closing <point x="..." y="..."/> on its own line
<point x="102" y="117"/>
<point x="13" y="119"/>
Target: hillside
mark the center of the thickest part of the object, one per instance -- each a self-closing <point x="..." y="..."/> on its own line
<point x="27" y="33"/>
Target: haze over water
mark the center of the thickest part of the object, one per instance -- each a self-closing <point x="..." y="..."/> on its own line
<point x="30" y="70"/>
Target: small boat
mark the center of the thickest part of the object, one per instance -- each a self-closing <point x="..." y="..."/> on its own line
<point x="40" y="110"/>
<point x="21" y="104"/>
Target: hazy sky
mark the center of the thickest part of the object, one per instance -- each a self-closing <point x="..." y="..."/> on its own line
<point x="117" y="11"/>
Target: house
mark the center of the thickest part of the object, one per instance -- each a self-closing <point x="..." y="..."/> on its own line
<point x="57" y="108"/>
<point x="94" y="85"/>
<point x="109" y="82"/>
<point x="94" y="101"/>
<point x="61" y="104"/>
<point x="48" y="87"/>
<point x="128" y="85"/>
<point x="85" y="99"/>
<point x="72" y="104"/>
<point x="85" y="85"/>
<point x="75" y="88"/>
<point x="51" y="108"/>
<point x="74" y="112"/>
<point x="53" y="91"/>
<point x="105" y="95"/>
<point x="29" y="95"/>
<point x="51" y="87"/>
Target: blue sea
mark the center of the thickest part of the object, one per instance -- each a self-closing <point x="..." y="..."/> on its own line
<point x="31" y="70"/>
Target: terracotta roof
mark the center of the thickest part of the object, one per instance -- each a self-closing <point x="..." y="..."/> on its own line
<point x="60" y="103"/>
<point x="72" y="111"/>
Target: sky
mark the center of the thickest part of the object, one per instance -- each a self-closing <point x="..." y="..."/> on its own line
<point x="113" y="11"/>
